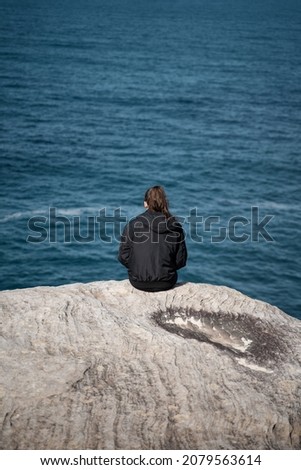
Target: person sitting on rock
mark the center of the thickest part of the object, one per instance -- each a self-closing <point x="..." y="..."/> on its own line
<point x="152" y="245"/>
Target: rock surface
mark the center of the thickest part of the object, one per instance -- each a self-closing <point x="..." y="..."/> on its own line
<point x="104" y="366"/>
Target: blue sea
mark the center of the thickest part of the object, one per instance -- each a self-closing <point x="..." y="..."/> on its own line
<point x="101" y="99"/>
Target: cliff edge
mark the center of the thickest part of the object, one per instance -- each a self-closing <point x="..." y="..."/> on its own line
<point x="104" y="366"/>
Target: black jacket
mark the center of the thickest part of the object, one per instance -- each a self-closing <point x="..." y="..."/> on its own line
<point x="152" y="247"/>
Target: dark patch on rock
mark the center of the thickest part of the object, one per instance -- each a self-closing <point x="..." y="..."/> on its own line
<point x="238" y="334"/>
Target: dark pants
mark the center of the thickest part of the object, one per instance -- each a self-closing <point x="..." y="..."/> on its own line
<point x="155" y="286"/>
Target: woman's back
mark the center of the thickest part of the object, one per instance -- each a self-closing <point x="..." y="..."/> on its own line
<point x="153" y="246"/>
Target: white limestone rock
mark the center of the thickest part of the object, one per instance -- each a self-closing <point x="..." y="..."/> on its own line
<point x="105" y="366"/>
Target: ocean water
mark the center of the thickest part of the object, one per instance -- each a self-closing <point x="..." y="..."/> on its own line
<point x="101" y="99"/>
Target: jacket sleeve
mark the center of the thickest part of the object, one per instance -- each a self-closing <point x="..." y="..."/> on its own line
<point x="124" y="247"/>
<point x="181" y="256"/>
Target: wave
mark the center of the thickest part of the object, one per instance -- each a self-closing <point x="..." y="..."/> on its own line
<point x="71" y="211"/>
<point x="278" y="205"/>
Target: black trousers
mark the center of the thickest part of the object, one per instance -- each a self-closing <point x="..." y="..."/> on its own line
<point x="155" y="286"/>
